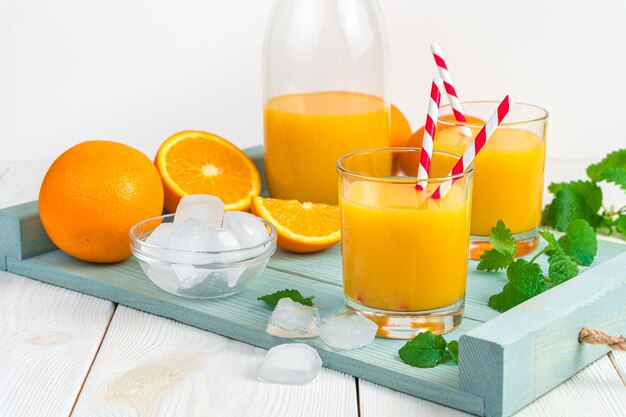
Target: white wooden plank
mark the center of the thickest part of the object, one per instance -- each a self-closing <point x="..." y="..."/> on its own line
<point x="153" y="366"/>
<point x="619" y="361"/>
<point x="49" y="337"/>
<point x="595" y="391"/>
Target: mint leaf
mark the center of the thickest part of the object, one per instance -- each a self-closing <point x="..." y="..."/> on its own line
<point x="525" y="281"/>
<point x="549" y="238"/>
<point x="272" y="299"/>
<point x="561" y="267"/>
<point x="612" y="168"/>
<point x="492" y="260"/>
<point x="425" y="350"/>
<point x="555" y="187"/>
<point x="453" y="350"/>
<point x="503" y="242"/>
<point x="501" y="238"/>
<point x="580" y="242"/>
<point x="620" y="224"/>
<point x="574" y="200"/>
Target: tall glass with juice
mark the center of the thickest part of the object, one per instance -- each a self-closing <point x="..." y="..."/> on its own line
<point x="405" y="253"/>
<point x="508" y="181"/>
<point x="324" y="79"/>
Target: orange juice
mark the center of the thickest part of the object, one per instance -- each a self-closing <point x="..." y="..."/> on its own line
<point x="403" y="251"/>
<point x="305" y="135"/>
<point x="508" y="178"/>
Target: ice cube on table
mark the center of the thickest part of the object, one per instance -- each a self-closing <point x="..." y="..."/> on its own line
<point x="291" y="319"/>
<point x="291" y="363"/>
<point x="188" y="276"/>
<point x="207" y="209"/>
<point x="346" y="330"/>
<point x="250" y="230"/>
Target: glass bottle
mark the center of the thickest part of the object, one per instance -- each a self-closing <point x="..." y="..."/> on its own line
<point x="325" y="63"/>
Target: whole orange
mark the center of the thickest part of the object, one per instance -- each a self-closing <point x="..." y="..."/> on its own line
<point x="93" y="194"/>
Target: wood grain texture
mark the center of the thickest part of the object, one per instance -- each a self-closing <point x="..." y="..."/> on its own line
<point x="24" y="235"/>
<point x="511" y="368"/>
<point x="49" y="337"/>
<point x="150" y="366"/>
<point x="594" y="391"/>
<point x="619" y="362"/>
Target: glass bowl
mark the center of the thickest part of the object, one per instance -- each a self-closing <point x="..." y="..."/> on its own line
<point x="199" y="274"/>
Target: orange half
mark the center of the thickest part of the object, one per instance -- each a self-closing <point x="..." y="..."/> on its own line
<point x="302" y="227"/>
<point x="195" y="162"/>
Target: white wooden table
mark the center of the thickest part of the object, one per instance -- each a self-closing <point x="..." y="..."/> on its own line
<point x="64" y="353"/>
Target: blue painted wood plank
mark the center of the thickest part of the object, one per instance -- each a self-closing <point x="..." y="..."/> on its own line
<point x="22" y="234"/>
<point x="523" y="353"/>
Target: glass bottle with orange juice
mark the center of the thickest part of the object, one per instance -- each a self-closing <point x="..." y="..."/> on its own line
<point x="324" y="80"/>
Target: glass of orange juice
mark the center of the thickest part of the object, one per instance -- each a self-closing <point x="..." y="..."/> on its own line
<point x="508" y="178"/>
<point x="405" y="254"/>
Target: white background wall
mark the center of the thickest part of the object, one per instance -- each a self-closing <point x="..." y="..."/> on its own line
<point x="137" y="71"/>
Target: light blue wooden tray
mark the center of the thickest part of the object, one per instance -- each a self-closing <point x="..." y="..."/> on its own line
<point x="506" y="360"/>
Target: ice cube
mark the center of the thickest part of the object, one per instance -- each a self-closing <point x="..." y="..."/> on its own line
<point x="291" y="319"/>
<point x="161" y="235"/>
<point x="291" y="363"/>
<point x="189" y="276"/>
<point x="190" y="236"/>
<point x="207" y="209"/>
<point x="223" y="240"/>
<point x="232" y="276"/>
<point x="250" y="230"/>
<point x="159" y="239"/>
<point x="347" y="330"/>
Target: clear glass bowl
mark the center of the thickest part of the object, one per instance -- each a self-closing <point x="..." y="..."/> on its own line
<point x="199" y="274"/>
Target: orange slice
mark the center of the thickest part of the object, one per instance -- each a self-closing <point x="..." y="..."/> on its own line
<point x="302" y="227"/>
<point x="195" y="162"/>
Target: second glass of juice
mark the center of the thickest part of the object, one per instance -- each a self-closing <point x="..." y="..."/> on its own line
<point x="405" y="254"/>
<point x="508" y="181"/>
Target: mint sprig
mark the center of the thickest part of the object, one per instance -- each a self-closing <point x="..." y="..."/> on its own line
<point x="583" y="199"/>
<point x="526" y="279"/>
<point x="503" y="242"/>
<point x="274" y="298"/>
<point x="427" y="350"/>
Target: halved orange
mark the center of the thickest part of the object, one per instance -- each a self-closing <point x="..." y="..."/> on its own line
<point x="195" y="162"/>
<point x="302" y="227"/>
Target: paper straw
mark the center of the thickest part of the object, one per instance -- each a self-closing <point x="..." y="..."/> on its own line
<point x="477" y="144"/>
<point x="448" y="84"/>
<point x="430" y="127"/>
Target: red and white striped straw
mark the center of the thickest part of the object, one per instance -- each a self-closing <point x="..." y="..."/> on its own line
<point x="479" y="141"/>
<point x="430" y="127"/>
<point x="457" y="108"/>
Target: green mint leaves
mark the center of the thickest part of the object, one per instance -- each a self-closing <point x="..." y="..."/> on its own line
<point x="272" y="299"/>
<point x="427" y="350"/>
<point x="574" y="200"/>
<point x="580" y="242"/>
<point x="526" y="279"/>
<point x="583" y="199"/>
<point x="612" y="169"/>
<point x="503" y="242"/>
